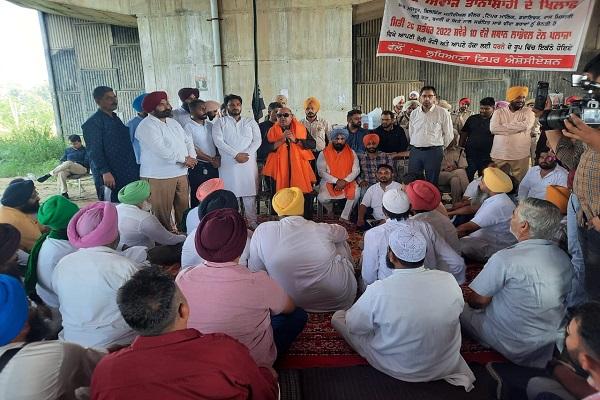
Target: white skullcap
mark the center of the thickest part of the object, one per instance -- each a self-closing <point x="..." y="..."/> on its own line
<point x="397" y="100"/>
<point x="408" y="244"/>
<point x="396" y="201"/>
<point x="413" y="93"/>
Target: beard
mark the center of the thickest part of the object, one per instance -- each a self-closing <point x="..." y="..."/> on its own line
<point x="389" y="263"/>
<point x="163" y="114"/>
<point x="479" y="198"/>
<point x="338" y="146"/>
<point x="211" y="115"/>
<point x="186" y="106"/>
<point x="311" y="114"/>
<point x="547" y="166"/>
<point x="356" y="126"/>
<point x="234" y="112"/>
<point x="146" y="206"/>
<point x="30" y="208"/>
<point x="371" y="149"/>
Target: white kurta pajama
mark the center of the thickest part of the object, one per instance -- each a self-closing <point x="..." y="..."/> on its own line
<point x="319" y="278"/>
<point x="407" y="326"/>
<point x="439" y="253"/>
<point x="232" y="138"/>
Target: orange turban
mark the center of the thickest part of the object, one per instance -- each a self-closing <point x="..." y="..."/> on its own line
<point x="312" y="102"/>
<point x="371" y="137"/>
<point x="559" y="196"/>
<point x="516" y="91"/>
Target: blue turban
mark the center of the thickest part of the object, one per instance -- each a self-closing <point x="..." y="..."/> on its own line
<point x="14" y="308"/>
<point x="338" y="131"/>
<point x="137" y="102"/>
<point x="17" y="193"/>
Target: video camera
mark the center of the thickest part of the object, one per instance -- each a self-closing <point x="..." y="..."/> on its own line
<point x="588" y="108"/>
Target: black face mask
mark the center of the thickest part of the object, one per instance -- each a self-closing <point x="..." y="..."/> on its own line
<point x="185" y="106"/>
<point x="339" y="146"/>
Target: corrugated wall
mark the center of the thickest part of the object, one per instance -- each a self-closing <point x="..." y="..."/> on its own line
<point x="377" y="80"/>
<point x="84" y="55"/>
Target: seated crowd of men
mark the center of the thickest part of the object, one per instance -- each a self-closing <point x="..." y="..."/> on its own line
<point x="150" y="294"/>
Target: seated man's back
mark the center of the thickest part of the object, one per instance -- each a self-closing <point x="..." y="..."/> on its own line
<point x="181" y="365"/>
<point x="311" y="261"/>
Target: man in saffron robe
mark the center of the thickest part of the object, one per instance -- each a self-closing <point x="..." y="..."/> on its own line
<point x="289" y="163"/>
<point x="338" y="167"/>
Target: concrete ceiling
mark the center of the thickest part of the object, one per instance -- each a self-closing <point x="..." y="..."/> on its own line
<point x="75" y="11"/>
<point x="367" y="11"/>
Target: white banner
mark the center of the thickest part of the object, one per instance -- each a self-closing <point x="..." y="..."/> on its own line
<point x="511" y="34"/>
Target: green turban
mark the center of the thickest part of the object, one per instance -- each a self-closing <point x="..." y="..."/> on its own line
<point x="135" y="193"/>
<point x="56" y="212"/>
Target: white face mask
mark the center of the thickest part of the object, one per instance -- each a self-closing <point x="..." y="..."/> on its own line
<point x="146" y="206"/>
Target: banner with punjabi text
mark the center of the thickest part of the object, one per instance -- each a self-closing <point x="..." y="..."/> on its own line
<point x="508" y="34"/>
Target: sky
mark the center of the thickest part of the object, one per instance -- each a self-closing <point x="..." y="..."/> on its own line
<point x="23" y="61"/>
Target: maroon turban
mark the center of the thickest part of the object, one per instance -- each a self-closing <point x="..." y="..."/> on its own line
<point x="221" y="236"/>
<point x="152" y="100"/>
<point x="186" y="92"/>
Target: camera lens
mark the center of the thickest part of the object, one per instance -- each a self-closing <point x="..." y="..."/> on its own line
<point x="554" y="119"/>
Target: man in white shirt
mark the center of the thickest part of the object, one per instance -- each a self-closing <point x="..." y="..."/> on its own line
<point x="424" y="199"/>
<point x="318" y="278"/>
<point x="517" y="305"/>
<point x="238" y="138"/>
<point x="373" y="197"/>
<point x="511" y="127"/>
<point x="39" y="370"/>
<point x="489" y="230"/>
<point x="137" y="227"/>
<point x="431" y="131"/>
<point x="86" y="282"/>
<point x="182" y="114"/>
<point x="200" y="130"/>
<point x="545" y="174"/>
<point x="166" y="154"/>
<point x="396" y="207"/>
<point x="317" y="127"/>
<point x="338" y="168"/>
<point x="407" y="325"/>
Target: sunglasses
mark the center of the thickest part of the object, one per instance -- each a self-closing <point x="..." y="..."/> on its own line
<point x="284" y="115"/>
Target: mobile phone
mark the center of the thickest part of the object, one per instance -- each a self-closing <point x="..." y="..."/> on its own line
<point x="541" y="94"/>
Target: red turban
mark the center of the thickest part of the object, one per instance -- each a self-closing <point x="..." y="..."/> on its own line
<point x="371" y="137"/>
<point x="221" y="235"/>
<point x="186" y="92"/>
<point x="152" y="100"/>
<point x="464" y="100"/>
<point x="423" y="195"/>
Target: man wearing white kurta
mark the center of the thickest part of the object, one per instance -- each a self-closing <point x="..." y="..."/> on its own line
<point x="439" y="254"/>
<point x="518" y="301"/>
<point x="166" y="153"/>
<point x="407" y="325"/>
<point x="238" y="138"/>
<point x="319" y="278"/>
<point x="489" y="230"/>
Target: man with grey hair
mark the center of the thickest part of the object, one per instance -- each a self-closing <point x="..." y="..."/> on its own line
<point x="517" y="304"/>
<point x="183" y="362"/>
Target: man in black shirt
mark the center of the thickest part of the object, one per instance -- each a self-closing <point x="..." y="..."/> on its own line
<point x="477" y="139"/>
<point x="266" y="147"/>
<point x="392" y="140"/>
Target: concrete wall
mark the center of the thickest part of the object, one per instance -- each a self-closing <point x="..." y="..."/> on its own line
<point x="303" y="48"/>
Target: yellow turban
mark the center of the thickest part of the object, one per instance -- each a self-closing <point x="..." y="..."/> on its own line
<point x="496" y="180"/>
<point x="312" y="102"/>
<point x="289" y="201"/>
<point x="516" y="91"/>
<point x="559" y="196"/>
<point x="281" y="99"/>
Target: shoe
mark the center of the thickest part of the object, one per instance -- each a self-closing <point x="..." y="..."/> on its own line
<point x="44" y="178"/>
<point x="66" y="195"/>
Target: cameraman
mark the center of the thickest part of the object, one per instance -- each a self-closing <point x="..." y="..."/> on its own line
<point x="578" y="146"/>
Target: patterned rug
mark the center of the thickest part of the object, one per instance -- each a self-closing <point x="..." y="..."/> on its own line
<point x="319" y="345"/>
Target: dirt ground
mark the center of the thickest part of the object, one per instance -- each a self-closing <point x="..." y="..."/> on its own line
<point x="50" y="187"/>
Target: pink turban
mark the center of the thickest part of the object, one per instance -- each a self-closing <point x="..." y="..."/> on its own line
<point x="208" y="187"/>
<point x="94" y="225"/>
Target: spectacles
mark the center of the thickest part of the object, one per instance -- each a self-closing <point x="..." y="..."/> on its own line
<point x="284" y="115"/>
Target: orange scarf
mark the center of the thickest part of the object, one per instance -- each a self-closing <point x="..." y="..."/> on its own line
<point x="340" y="166"/>
<point x="278" y="162"/>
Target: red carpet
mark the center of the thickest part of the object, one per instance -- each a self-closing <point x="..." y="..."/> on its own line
<point x="319" y="345"/>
